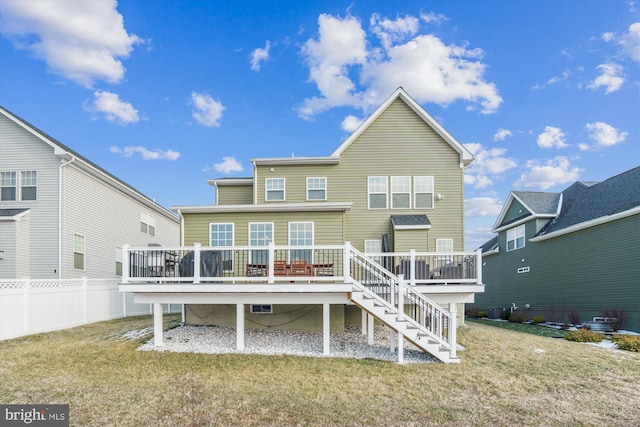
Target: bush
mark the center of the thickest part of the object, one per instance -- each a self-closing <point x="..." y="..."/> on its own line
<point x="482" y="314"/>
<point x="617" y="317"/>
<point x="584" y="335"/>
<point x="538" y="319"/>
<point x="471" y="311"/>
<point x="627" y="342"/>
<point x="517" y="316"/>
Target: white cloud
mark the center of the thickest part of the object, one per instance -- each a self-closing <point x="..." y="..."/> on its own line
<point x="482" y="206"/>
<point x="436" y="18"/>
<point x="228" y="165"/>
<point x="502" y="134"/>
<point x="79" y="40"/>
<point x="488" y="162"/>
<point x="611" y="78"/>
<point x="608" y="36"/>
<point x="548" y="174"/>
<point x="604" y="134"/>
<point x="350" y="123"/>
<point x="583" y="147"/>
<point x="349" y="70"/>
<point x="207" y="111"/>
<point x="146" y="154"/>
<point x="552" y="137"/>
<point x="260" y="55"/>
<point x="113" y="108"/>
<point x="630" y="42"/>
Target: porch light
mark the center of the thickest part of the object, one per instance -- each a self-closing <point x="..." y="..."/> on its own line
<point x="1" y="254"/>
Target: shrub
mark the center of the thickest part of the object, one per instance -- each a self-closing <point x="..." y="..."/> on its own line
<point x="584" y="335"/>
<point x="538" y="319"/>
<point x="627" y="342"/>
<point x="617" y="317"/>
<point x="574" y="316"/>
<point x="482" y="314"/>
<point x="517" y="316"/>
<point x="471" y="311"/>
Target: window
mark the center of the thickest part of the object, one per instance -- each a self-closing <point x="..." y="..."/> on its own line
<point x="301" y="234"/>
<point x="423" y="192"/>
<point x="400" y="192"/>
<point x="8" y="183"/>
<point x="316" y="188"/>
<point x="373" y="247"/>
<point x="274" y="188"/>
<point x="28" y="185"/>
<point x="377" y="190"/>
<point x="260" y="234"/>
<point x="444" y="246"/>
<point x="147" y="224"/>
<point x="118" y="261"/>
<point x="261" y="308"/>
<point x="515" y="238"/>
<point x="78" y="252"/>
<point x="222" y="235"/>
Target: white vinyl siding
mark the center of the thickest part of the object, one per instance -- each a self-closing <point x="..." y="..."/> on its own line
<point x="78" y="252"/>
<point x="301" y="234"/>
<point x="316" y="188"/>
<point x="400" y="192"/>
<point x="377" y="192"/>
<point x="222" y="235"/>
<point x="423" y="192"/>
<point x="275" y="189"/>
<point x="260" y="234"/>
<point x="515" y="238"/>
<point x="8" y="186"/>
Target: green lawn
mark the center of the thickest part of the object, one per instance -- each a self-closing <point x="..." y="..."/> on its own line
<point x="506" y="378"/>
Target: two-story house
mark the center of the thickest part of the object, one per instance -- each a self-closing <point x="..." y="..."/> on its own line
<point x="567" y="256"/>
<point x="64" y="217"/>
<point x="304" y="231"/>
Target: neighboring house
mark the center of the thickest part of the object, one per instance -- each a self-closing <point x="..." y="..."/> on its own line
<point x="64" y="217"/>
<point x="567" y="255"/>
<point x="393" y="190"/>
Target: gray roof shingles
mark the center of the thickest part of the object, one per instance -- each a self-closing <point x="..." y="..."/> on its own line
<point x="409" y="220"/>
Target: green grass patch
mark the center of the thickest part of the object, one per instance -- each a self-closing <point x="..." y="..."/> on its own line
<point x="542" y="331"/>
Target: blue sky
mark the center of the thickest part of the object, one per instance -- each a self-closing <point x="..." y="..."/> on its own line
<point x="168" y="94"/>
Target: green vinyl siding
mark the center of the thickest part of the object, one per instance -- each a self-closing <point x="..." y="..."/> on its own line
<point x="235" y="195"/>
<point x="516" y="211"/>
<point x="587" y="271"/>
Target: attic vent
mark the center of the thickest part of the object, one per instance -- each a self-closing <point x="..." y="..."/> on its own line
<point x="524" y="270"/>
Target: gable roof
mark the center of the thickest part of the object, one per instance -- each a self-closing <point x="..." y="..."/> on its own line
<point x="410" y="222"/>
<point x="59" y="149"/>
<point x="587" y="204"/>
<point x="12" y="214"/>
<point x="465" y="155"/>
<point x="538" y="205"/>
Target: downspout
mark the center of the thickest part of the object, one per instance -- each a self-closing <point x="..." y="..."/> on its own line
<point x="73" y="158"/>
<point x="255" y="183"/>
<point x="183" y="307"/>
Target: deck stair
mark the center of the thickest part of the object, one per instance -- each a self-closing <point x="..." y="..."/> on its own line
<point x="390" y="300"/>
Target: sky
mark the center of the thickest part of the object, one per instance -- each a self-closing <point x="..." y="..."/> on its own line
<point x="168" y="94"/>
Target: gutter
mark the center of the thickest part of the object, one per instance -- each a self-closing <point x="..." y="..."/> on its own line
<point x="60" y="188"/>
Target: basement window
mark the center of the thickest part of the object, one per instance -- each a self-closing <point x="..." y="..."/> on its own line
<point x="261" y="308"/>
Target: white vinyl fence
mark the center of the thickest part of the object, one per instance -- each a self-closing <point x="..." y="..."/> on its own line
<point x="30" y="306"/>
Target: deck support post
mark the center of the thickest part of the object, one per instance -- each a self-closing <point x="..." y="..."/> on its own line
<point x="326" y="329"/>
<point x="453" y="326"/>
<point x="240" y="327"/>
<point x="400" y="348"/>
<point x="157" y="324"/>
<point x="392" y="341"/>
<point x="370" y="322"/>
<point x="364" y="322"/>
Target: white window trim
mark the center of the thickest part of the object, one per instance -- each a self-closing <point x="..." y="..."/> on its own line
<point x="254" y="311"/>
<point x="416" y="192"/>
<point x="74" y="252"/>
<point x="22" y="185"/>
<point x="15" y="186"/>
<point x="267" y="190"/>
<point x="408" y="192"/>
<point x="386" y="192"/>
<point x="324" y="188"/>
<point x="514" y="231"/>
<point x="233" y="237"/>
<point x="259" y="248"/>
<point x="313" y="235"/>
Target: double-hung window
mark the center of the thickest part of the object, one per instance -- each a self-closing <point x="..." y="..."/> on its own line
<point x="222" y="235"/>
<point x="147" y="224"/>
<point x="316" y="188"/>
<point x="423" y="192"/>
<point x="400" y="192"/>
<point x="301" y="234"/>
<point x="515" y="238"/>
<point x="260" y="234"/>
<point x="377" y="191"/>
<point x="274" y="188"/>
<point x="8" y="185"/>
<point x="78" y="252"/>
<point x="118" y="261"/>
<point x="28" y="185"/>
<point x="445" y="247"/>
